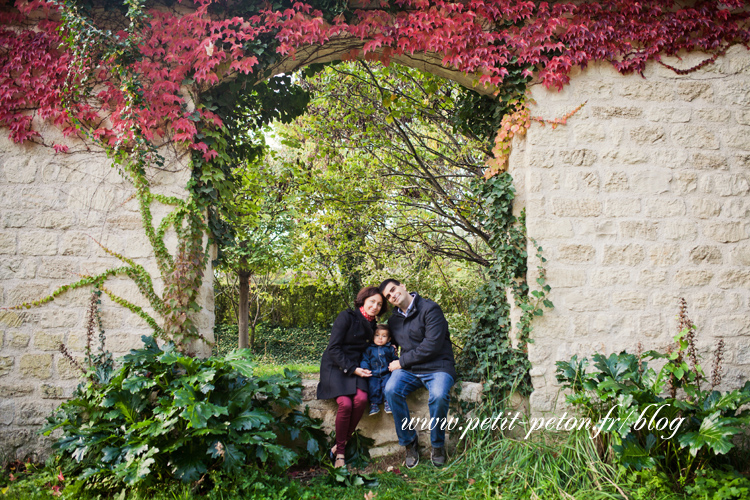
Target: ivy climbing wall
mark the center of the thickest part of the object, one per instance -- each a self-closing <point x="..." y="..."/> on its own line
<point x="642" y="198"/>
<point x="55" y="210"/>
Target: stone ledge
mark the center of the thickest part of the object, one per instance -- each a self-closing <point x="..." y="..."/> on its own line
<point x="381" y="427"/>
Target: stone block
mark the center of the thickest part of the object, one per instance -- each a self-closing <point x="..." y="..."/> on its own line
<point x="54" y="220"/>
<point x="690" y="91"/>
<point x="20" y="169"/>
<point x="589" y="132"/>
<point x="6" y="364"/>
<point x="586" y="301"/>
<point x="665" y="255"/>
<point x="644" y="90"/>
<point x="713" y="301"/>
<point x="78" y="244"/>
<point x="582" y="181"/>
<point x="15" y="390"/>
<point x="18" y="340"/>
<point x="679" y="230"/>
<point x="728" y="185"/>
<point x="577" y="158"/>
<point x="652" y="278"/>
<point x="11" y="319"/>
<point x="639" y="230"/>
<point x="684" y="182"/>
<point x="37" y="243"/>
<point x="33" y="412"/>
<point x="709" y="161"/>
<point x="647" y="134"/>
<point x="664" y="207"/>
<point x="705" y="254"/>
<point x="741" y="255"/>
<point x="52" y="391"/>
<point x="59" y="318"/>
<point x="651" y="325"/>
<point x="725" y="232"/>
<point x="623" y="255"/>
<point x="602" y="278"/>
<point x="575" y="253"/>
<point x="715" y="115"/>
<point x="57" y="268"/>
<point x="736" y="278"/>
<point x="736" y="92"/>
<point x="692" y="277"/>
<point x="25" y="293"/>
<point x="737" y="209"/>
<point x="45" y="341"/>
<point x="705" y="208"/>
<point x="18" y="219"/>
<point x="7" y="412"/>
<point x="616" y="182"/>
<point x="538" y="159"/>
<point x="36" y="366"/>
<point x="668" y="301"/>
<point x="67" y="370"/>
<point x="742" y="116"/>
<point x="608" y="112"/>
<point x="630" y="300"/>
<point x="622" y="207"/>
<point x="694" y="136"/>
<point x="651" y="181"/>
<point x="732" y="325"/>
<point x="678" y="114"/>
<point x="596" y="229"/>
<point x="126" y="222"/>
<point x="571" y="207"/>
<point x="7" y="243"/>
<point x="566" y="277"/>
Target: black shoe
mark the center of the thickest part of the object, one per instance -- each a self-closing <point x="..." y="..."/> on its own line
<point x="412" y="454"/>
<point x="438" y="457"/>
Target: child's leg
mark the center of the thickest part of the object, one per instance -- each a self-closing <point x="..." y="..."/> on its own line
<point x="375" y="386"/>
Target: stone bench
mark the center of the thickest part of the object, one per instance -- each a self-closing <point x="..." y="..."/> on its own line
<point x="380" y="427"/>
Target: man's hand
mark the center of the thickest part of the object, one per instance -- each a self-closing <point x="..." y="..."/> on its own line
<point x="394" y="365"/>
<point x="361" y="372"/>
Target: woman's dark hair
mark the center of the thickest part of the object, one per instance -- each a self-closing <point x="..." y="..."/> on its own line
<point x="365" y="294"/>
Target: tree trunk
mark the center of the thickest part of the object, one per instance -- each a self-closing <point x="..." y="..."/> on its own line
<point x="244" y="315"/>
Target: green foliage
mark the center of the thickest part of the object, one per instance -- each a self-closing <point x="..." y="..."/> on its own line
<point x="489" y="355"/>
<point x="678" y="433"/>
<point x="163" y="416"/>
<point x="277" y="345"/>
<point x="717" y="484"/>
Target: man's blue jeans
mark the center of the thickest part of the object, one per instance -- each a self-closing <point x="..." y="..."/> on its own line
<point x="401" y="384"/>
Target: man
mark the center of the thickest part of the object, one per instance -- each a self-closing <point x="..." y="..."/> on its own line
<point x="419" y="327"/>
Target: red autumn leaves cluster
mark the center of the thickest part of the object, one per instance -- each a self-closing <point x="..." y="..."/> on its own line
<point x="190" y="50"/>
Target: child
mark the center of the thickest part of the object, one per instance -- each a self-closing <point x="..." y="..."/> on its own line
<point x="376" y="359"/>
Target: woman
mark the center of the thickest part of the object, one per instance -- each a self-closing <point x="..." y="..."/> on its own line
<point x="340" y="374"/>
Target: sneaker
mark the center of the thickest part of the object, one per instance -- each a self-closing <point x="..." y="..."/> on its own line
<point x="438" y="457"/>
<point x="412" y="454"/>
<point x="387" y="407"/>
<point x="374" y="409"/>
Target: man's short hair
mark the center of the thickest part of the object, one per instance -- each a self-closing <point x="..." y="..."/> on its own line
<point x="387" y="282"/>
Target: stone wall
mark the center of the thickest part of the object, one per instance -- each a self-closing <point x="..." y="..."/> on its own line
<point x="642" y="198"/>
<point x="53" y="210"/>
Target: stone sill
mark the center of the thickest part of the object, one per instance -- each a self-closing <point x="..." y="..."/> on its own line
<point x="381" y="426"/>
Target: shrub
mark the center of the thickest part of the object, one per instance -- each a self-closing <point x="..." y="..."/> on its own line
<point x="632" y="404"/>
<point x="165" y="416"/>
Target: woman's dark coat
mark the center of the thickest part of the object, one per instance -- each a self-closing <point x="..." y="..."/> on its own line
<point x="350" y="336"/>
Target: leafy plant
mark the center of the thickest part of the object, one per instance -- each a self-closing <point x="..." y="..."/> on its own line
<point x="165" y="416"/>
<point x="660" y="417"/>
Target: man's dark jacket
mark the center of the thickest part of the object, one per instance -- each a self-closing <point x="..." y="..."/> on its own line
<point x="350" y="336"/>
<point x="424" y="338"/>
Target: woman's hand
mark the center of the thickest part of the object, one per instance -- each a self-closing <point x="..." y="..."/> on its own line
<point x="361" y="372"/>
